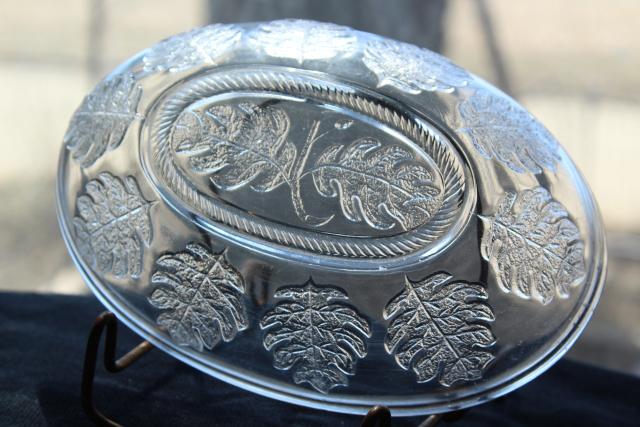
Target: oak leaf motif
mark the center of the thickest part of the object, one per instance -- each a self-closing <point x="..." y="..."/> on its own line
<point x="412" y="69"/>
<point x="533" y="246"/>
<point x="303" y="40"/>
<point x="381" y="186"/>
<point x="101" y="121"/>
<point x="500" y="129"/>
<point x="113" y="225"/>
<point x="200" y="295"/>
<point x="237" y="145"/>
<point x="439" y="328"/>
<point x="316" y="335"/>
<point x="187" y="50"/>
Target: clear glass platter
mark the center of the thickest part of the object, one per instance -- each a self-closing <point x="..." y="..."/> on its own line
<point x="330" y="218"/>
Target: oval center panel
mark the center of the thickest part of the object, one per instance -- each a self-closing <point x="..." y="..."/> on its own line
<point x="320" y="166"/>
<point x="307" y="165"/>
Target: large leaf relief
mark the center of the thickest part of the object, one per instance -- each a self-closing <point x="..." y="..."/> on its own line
<point x="382" y="186"/>
<point x="314" y="333"/>
<point x="303" y="40"/>
<point x="202" y="46"/>
<point x="248" y="160"/>
<point x="502" y="130"/>
<point x="201" y="298"/>
<point x="113" y="225"/>
<point x="533" y="246"/>
<point x="439" y="328"/>
<point x="411" y="69"/>
<point x="237" y="145"/>
<point x="248" y="145"/>
<point x="104" y="116"/>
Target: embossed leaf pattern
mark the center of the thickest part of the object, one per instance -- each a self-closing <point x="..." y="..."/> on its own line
<point x="191" y="49"/>
<point x="104" y="116"/>
<point x="247" y="145"/>
<point x="533" y="246"/>
<point x="200" y="295"/>
<point x="502" y="130"/>
<point x="302" y="40"/>
<point x="439" y="328"/>
<point x="412" y="69"/>
<point x="314" y="333"/>
<point x="113" y="225"/>
<point x="382" y="186"/>
<point x="237" y="145"/>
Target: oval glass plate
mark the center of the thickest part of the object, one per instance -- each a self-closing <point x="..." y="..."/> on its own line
<point x="330" y="218"/>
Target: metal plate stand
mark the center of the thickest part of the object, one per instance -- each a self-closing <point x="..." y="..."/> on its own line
<point x="378" y="416"/>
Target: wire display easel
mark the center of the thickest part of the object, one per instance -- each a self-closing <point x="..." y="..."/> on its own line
<point x="378" y="416"/>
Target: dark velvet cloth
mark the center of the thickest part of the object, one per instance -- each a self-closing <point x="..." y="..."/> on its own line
<point x="42" y="340"/>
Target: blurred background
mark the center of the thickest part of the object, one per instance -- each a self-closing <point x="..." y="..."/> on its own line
<point x="573" y="63"/>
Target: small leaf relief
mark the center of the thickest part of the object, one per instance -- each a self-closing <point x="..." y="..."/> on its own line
<point x="102" y="120"/>
<point x="303" y="40"/>
<point x="113" y="225"/>
<point x="502" y="130"/>
<point x="411" y="69"/>
<point x="248" y="145"/>
<point x="201" y="298"/>
<point x="191" y="49"/>
<point x="533" y="246"/>
<point x="439" y="328"/>
<point x="314" y="333"/>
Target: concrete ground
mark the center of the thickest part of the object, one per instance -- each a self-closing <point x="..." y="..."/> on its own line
<point x="573" y="63"/>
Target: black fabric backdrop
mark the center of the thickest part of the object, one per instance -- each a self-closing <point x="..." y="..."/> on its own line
<point x="42" y="339"/>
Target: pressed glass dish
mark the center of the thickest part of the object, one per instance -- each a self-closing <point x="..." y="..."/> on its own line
<point x="330" y="218"/>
